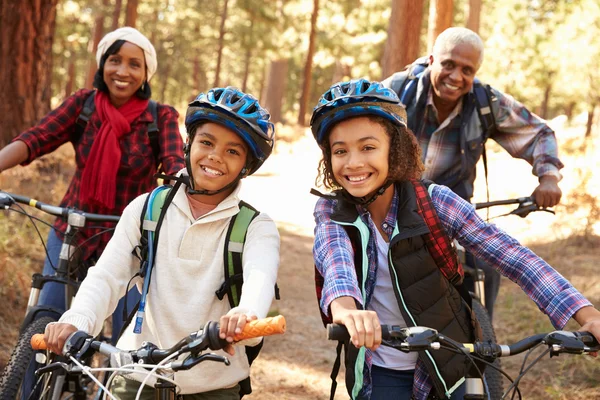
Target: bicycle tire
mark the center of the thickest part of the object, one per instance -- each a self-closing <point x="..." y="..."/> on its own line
<point x="20" y="359"/>
<point x="493" y="377"/>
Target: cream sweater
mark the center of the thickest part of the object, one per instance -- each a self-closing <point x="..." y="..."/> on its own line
<point x="188" y="271"/>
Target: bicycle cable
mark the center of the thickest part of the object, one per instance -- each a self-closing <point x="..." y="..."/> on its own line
<point x="518" y="379"/>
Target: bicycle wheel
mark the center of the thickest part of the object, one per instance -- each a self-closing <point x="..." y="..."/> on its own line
<point x="17" y="380"/>
<point x="493" y="377"/>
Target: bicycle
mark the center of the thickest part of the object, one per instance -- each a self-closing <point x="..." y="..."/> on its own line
<point x="80" y="346"/>
<point x="423" y="339"/>
<point x="67" y="273"/>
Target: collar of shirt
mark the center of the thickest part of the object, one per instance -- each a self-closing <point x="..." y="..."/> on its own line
<point x="431" y="108"/>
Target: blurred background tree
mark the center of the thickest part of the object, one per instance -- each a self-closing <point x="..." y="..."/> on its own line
<point x="288" y="52"/>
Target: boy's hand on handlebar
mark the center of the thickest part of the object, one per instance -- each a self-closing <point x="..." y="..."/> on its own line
<point x="547" y="194"/>
<point x="230" y="325"/>
<point x="589" y="319"/>
<point x="362" y="325"/>
<point x="56" y="335"/>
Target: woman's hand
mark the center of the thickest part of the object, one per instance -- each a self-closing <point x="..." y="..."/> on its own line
<point x="363" y="326"/>
<point x="56" y="335"/>
<point x="230" y="325"/>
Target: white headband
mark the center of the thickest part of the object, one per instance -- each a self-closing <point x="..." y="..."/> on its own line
<point x="131" y="35"/>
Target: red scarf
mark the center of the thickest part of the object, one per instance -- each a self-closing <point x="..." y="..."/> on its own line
<point x="98" y="178"/>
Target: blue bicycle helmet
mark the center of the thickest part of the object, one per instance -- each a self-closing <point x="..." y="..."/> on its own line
<point x="239" y="112"/>
<point x="354" y="98"/>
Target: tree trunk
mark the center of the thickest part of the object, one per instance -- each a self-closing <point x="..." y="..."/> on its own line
<point x="590" y="120"/>
<point x="341" y="72"/>
<point x="440" y="18"/>
<point x="116" y="14"/>
<point x="26" y="34"/>
<point x="402" y="45"/>
<point x="308" y="65"/>
<point x="474" y="14"/>
<point x="545" y="101"/>
<point x="93" y="45"/>
<point x="276" y="88"/>
<point x="131" y="13"/>
<point x="221" y="44"/>
<point x="248" y="54"/>
<point x="70" y="78"/>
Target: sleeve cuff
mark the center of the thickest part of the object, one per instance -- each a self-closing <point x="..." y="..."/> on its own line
<point x="562" y="308"/>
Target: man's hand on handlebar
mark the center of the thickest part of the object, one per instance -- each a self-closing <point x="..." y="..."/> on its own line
<point x="547" y="194"/>
<point x="56" y="335"/>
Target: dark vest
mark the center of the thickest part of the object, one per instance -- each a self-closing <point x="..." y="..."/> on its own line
<point x="425" y="297"/>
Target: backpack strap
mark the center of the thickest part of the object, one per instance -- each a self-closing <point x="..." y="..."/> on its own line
<point x="487" y="104"/>
<point x="84" y="116"/>
<point x="232" y="253"/>
<point x="90" y="106"/>
<point x="437" y="241"/>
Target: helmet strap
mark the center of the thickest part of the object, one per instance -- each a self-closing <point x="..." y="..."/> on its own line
<point x="368" y="199"/>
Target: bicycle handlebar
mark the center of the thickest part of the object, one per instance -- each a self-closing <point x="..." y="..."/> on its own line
<point x="526" y="205"/>
<point x="8" y="199"/>
<point x="258" y="328"/>
<point x="423" y="338"/>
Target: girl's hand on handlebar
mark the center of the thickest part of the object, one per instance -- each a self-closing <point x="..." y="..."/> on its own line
<point x="363" y="325"/>
<point x="230" y="325"/>
<point x="56" y="336"/>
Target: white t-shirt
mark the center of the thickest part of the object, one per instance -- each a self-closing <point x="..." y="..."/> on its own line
<point x="384" y="303"/>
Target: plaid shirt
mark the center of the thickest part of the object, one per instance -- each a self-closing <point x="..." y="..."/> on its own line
<point x="523" y="134"/>
<point x="334" y="258"/>
<point x="138" y="166"/>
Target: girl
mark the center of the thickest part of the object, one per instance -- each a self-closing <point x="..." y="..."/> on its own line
<point x="371" y="249"/>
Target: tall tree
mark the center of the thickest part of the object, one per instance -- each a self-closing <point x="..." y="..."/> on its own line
<point x="221" y="43"/>
<point x="276" y="88"/>
<point x="440" y="18"/>
<point x="474" y="14"/>
<point x="116" y="14"/>
<point x="131" y="13"/>
<point x="402" y="44"/>
<point x="26" y="34"/>
<point x="93" y="44"/>
<point x="309" y="64"/>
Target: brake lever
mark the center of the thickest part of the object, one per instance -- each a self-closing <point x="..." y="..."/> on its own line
<point x="5" y="200"/>
<point x="191" y="360"/>
<point x="524" y="210"/>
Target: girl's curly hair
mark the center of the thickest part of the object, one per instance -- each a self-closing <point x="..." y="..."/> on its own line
<point x="404" y="158"/>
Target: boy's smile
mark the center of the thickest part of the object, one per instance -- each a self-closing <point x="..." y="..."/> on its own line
<point x="359" y="155"/>
<point x="217" y="156"/>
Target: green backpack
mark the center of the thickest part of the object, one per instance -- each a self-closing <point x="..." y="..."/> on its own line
<point x="151" y="220"/>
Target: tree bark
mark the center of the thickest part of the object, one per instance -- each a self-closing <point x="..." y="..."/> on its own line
<point x="131" y="13"/>
<point x="221" y="44"/>
<point x="590" y="120"/>
<point x="248" y="55"/>
<point x="276" y="88"/>
<point x="440" y="18"/>
<point x="116" y="14"/>
<point x="93" y="45"/>
<point x="474" y="15"/>
<point x="26" y="34"/>
<point x="402" y="45"/>
<point x="308" y="65"/>
<point x="70" y="78"/>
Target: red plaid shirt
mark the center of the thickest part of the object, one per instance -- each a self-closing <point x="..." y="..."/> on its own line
<point x="138" y="165"/>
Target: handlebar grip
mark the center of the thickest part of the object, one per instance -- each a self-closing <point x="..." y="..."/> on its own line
<point x="38" y="342"/>
<point x="262" y="327"/>
<point x="337" y="332"/>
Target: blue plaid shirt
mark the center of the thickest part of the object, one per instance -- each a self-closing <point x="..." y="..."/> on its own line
<point x="334" y="258"/>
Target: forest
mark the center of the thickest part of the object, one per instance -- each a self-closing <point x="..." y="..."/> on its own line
<point x="288" y="52"/>
<point x="545" y="53"/>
